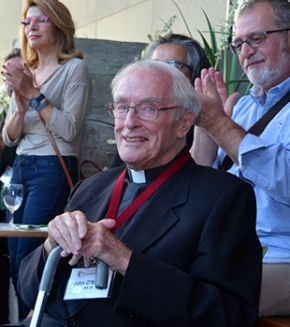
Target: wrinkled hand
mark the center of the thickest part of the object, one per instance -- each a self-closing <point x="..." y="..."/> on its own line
<point x="211" y="100"/>
<point x="228" y="100"/>
<point x="81" y="238"/>
<point x="211" y="83"/>
<point x="215" y="114"/>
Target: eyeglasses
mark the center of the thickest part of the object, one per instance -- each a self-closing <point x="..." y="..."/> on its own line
<point x="143" y="111"/>
<point x="254" y="40"/>
<point x="178" y="64"/>
<point x="40" y="20"/>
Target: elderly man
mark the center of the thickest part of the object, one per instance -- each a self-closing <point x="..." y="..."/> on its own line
<point x="178" y="238"/>
<point x="182" y="52"/>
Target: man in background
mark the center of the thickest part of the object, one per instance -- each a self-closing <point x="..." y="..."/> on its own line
<point x="262" y="43"/>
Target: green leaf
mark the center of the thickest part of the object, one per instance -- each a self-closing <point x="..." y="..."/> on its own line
<point x="184" y="20"/>
<point x="208" y="50"/>
<point x="264" y="250"/>
<point x="150" y="38"/>
<point x="211" y="33"/>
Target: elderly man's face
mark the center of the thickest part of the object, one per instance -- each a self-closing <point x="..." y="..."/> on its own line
<point x="147" y="144"/>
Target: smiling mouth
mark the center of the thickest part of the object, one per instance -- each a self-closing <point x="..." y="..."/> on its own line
<point x="253" y="62"/>
<point x="135" y="139"/>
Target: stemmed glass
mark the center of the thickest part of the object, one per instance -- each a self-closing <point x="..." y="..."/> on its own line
<point x="12" y="195"/>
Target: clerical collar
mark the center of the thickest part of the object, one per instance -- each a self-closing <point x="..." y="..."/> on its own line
<point x="137" y="176"/>
<point x="149" y="175"/>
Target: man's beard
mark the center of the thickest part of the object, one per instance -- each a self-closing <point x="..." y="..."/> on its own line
<point x="265" y="77"/>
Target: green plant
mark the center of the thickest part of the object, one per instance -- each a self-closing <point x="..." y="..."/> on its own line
<point x="218" y="53"/>
<point x="4" y="102"/>
<point x="264" y="250"/>
<point x="165" y="30"/>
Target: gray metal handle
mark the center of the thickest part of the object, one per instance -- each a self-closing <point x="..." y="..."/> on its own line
<point x="45" y="286"/>
<point x="102" y="272"/>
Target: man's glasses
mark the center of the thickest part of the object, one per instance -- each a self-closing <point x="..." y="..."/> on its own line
<point x="40" y="20"/>
<point x="254" y="40"/>
<point x="178" y="64"/>
<point x="143" y="111"/>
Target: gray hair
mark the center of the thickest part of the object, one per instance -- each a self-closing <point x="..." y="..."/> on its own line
<point x="196" y="55"/>
<point x="281" y="11"/>
<point x="182" y="91"/>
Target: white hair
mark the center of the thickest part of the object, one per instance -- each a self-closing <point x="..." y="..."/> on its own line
<point x="181" y="91"/>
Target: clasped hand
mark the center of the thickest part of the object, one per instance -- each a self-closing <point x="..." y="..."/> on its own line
<point x="215" y="102"/>
<point x="80" y="238"/>
<point x="20" y="79"/>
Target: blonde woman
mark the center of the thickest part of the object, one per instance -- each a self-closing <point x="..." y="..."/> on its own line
<point x="50" y="92"/>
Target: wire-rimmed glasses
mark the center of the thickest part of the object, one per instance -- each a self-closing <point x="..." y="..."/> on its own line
<point x="143" y="111"/>
<point x="254" y="40"/>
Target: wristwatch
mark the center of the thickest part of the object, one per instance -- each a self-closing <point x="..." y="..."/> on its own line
<point x="36" y="104"/>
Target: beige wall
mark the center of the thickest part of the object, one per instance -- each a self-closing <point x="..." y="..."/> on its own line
<point x="132" y="20"/>
<point x="120" y="20"/>
<point x="10" y="12"/>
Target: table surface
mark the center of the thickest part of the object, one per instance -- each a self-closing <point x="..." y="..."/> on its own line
<point x="23" y="231"/>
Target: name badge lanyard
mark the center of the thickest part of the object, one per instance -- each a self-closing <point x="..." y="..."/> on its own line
<point x="144" y="196"/>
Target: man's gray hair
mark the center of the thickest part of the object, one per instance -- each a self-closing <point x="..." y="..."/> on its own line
<point x="182" y="91"/>
<point x="281" y="10"/>
<point x="196" y="55"/>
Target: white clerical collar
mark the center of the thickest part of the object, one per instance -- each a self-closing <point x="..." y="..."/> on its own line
<point x="138" y="176"/>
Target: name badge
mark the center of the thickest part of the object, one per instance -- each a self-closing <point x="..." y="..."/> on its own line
<point x="81" y="285"/>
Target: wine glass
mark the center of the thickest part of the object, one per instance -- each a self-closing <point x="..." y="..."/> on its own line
<point x="12" y="195"/>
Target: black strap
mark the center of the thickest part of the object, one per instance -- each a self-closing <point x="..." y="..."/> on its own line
<point x="259" y="126"/>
